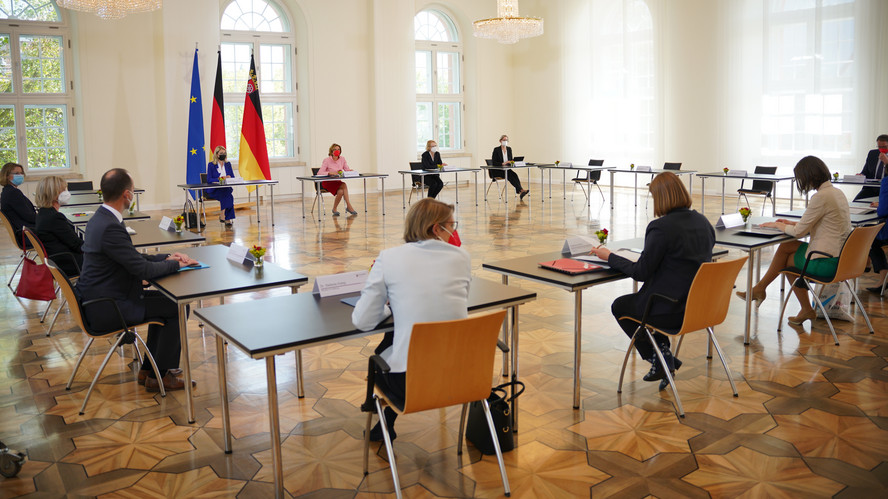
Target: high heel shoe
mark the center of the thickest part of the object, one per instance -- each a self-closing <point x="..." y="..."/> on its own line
<point x="800" y="319"/>
<point x="757" y="296"/>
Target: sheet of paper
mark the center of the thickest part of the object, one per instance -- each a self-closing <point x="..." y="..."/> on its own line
<point x="859" y="179"/>
<point x="729" y="220"/>
<point x="628" y="254"/>
<point x="340" y="284"/>
<point x="592" y="259"/>
<point x="351" y="173"/>
<point x="577" y="245"/>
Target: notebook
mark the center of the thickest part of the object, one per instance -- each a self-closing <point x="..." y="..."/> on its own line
<point x="570" y="267"/>
<point x="759" y="231"/>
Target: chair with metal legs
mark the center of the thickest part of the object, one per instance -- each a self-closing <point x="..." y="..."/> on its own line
<point x="495" y="180"/>
<point x="705" y="308"/>
<point x="318" y="191"/>
<point x="448" y="363"/>
<point x="591" y="178"/>
<point x="764" y="188"/>
<point x="18" y="244"/>
<point x="37" y="245"/>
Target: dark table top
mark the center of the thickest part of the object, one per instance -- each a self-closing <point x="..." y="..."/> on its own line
<point x="149" y="234"/>
<point x="305" y="319"/>
<point x="223" y="277"/>
<point x="324" y="178"/>
<point x="625" y="169"/>
<point x="437" y="171"/>
<point x="82" y="215"/>
<point x="229" y="184"/>
<point x="84" y="198"/>
<point x="749" y="175"/>
<point x="731" y="238"/>
<point x="856" y="218"/>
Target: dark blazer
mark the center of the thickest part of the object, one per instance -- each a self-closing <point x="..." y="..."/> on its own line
<point x="869" y="171"/>
<point x="675" y="245"/>
<point x="497" y="155"/>
<point x="213" y="172"/>
<point x="59" y="236"/>
<point x="429" y="163"/>
<point x="18" y="209"/>
<point x="113" y="268"/>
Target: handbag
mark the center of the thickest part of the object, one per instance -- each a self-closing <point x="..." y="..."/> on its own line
<point x="477" y="430"/>
<point x="189" y="213"/>
<point x="36" y="281"/>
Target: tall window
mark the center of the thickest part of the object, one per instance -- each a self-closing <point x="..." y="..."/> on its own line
<point x="35" y="86"/>
<point x="809" y="79"/>
<point x="260" y="27"/>
<point x="439" y="88"/>
<point x="623" y="83"/>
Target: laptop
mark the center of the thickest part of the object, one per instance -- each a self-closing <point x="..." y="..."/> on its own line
<point x="571" y="267"/>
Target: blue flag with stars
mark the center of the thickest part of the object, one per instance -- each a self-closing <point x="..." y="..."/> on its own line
<point x="197" y="156"/>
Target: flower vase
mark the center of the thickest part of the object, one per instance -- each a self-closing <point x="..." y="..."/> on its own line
<point x="260" y="261"/>
<point x="747" y="222"/>
<point x="178" y="227"/>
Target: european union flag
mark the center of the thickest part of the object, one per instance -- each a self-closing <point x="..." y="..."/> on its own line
<point x="197" y="155"/>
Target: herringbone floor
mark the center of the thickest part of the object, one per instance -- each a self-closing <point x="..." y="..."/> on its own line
<point x="811" y="419"/>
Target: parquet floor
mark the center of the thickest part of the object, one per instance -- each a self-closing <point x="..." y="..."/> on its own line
<point x="811" y="419"/>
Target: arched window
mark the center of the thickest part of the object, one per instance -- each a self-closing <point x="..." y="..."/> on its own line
<point x="36" y="88"/>
<point x="439" y="88"/>
<point x="260" y="27"/>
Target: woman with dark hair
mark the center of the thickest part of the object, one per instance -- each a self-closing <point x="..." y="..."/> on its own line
<point x="827" y="219"/>
<point x="675" y="245"/>
<point x="13" y="203"/>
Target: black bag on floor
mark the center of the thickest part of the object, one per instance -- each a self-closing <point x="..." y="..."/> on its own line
<point x="189" y="213"/>
<point x="477" y="430"/>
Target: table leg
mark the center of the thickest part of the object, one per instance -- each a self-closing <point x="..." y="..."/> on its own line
<point x="612" y="189"/>
<point x="258" y="213"/>
<point x="382" y="180"/>
<point x="186" y="363"/>
<point x="271" y="186"/>
<point x="456" y="185"/>
<point x="635" y="191"/>
<point x="749" y="265"/>
<point x="302" y="183"/>
<point x="476" y="188"/>
<point x="300" y="385"/>
<point x="223" y="391"/>
<point x="691" y="185"/>
<point x="578" y="342"/>
<point x="403" y="191"/>
<point x="563" y="186"/>
<point x="703" y="195"/>
<point x="138" y="206"/>
<point x="421" y="186"/>
<point x="274" y="427"/>
<point x="723" y="195"/>
<point x="365" y="195"/>
<point x="514" y="352"/>
<point x="791" y="193"/>
<point x="505" y="332"/>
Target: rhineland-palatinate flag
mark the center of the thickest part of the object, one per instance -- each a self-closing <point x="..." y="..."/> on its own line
<point x="197" y="156"/>
<point x="217" y="123"/>
<point x="252" y="162"/>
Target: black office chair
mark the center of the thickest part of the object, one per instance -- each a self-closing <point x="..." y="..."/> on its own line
<point x="417" y="183"/>
<point x="202" y="197"/>
<point x="591" y="178"/>
<point x="86" y="185"/>
<point x="495" y="178"/>
<point x="764" y="188"/>
<point x="672" y="166"/>
<point x="318" y="191"/>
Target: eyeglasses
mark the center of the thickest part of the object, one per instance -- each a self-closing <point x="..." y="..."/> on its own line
<point x="453" y="224"/>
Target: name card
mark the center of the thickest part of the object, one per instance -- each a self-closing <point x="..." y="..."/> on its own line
<point x="239" y="255"/>
<point x="166" y="223"/>
<point x="737" y="173"/>
<point x="350" y="173"/>
<point x="643" y="169"/>
<point x="575" y="245"/>
<point x="448" y="168"/>
<point x="234" y="180"/>
<point x="566" y="164"/>
<point x="521" y="163"/>
<point x="340" y="284"/>
<point x="859" y="179"/>
<point x="728" y="221"/>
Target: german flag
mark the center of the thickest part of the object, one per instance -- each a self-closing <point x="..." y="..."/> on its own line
<point x="252" y="162"/>
<point x="217" y="123"/>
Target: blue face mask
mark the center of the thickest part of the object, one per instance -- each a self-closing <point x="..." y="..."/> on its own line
<point x="18" y="179"/>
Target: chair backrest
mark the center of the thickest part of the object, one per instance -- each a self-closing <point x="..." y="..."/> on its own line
<point x="672" y="166"/>
<point x="710" y="294"/>
<point x="855" y="251"/>
<point x="86" y="185"/>
<point x="490" y="173"/>
<point x="67" y="290"/>
<point x="596" y="162"/>
<point x="318" y="188"/>
<point x="416" y="165"/>
<point x="203" y="178"/>
<point x="10" y="230"/>
<point x="764" y="185"/>
<point x="36" y="243"/>
<point x="451" y="362"/>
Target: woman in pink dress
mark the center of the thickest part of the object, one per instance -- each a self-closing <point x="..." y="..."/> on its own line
<point x="332" y="165"/>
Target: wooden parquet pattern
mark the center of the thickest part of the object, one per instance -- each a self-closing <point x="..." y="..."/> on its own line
<point x="811" y="419"/>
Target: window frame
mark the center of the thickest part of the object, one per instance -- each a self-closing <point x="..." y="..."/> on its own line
<point x="435" y="98"/>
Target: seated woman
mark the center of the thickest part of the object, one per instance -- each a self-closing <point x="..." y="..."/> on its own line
<point x="675" y="245"/>
<point x="426" y="279"/>
<point x="431" y="158"/>
<point x="502" y="155"/>
<point x="53" y="228"/>
<point x="219" y="169"/>
<point x="827" y="219"/>
<point x="332" y="165"/>
<point x="877" y="252"/>
<point x="13" y="203"/>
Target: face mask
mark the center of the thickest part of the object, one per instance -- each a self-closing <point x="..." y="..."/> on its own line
<point x="222" y="157"/>
<point x="18" y="179"/>
<point x="883" y="150"/>
<point x="129" y="201"/>
<point x="434" y="149"/>
<point x="336" y="154"/>
<point x="64" y="197"/>
<point x="505" y="143"/>
<point x="454" y="237"/>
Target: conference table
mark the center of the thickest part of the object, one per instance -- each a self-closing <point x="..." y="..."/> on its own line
<point x="222" y="278"/>
<point x="91" y="197"/>
<point x="149" y="235"/>
<point x="856" y="218"/>
<point x="564" y="167"/>
<point x="298" y="321"/>
<point x="422" y="175"/>
<point x="749" y="176"/>
<point x="526" y="166"/>
<point x="652" y="172"/>
<point x="231" y="183"/>
<point x="81" y="215"/>
<point x="317" y="179"/>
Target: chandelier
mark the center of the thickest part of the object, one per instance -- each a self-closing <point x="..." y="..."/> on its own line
<point x="111" y="9"/>
<point x="508" y="26"/>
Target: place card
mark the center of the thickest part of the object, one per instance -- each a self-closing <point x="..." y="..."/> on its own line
<point x="565" y="164"/>
<point x="340" y="284"/>
<point x="737" y="173"/>
<point x="521" y="163"/>
<point x="858" y="179"/>
<point x="643" y="169"/>
<point x="166" y="223"/>
<point x="576" y="245"/>
<point x="730" y="220"/>
<point x="240" y="255"/>
<point x="351" y="173"/>
<point x="448" y="168"/>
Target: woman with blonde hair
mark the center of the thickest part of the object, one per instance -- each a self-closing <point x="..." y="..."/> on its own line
<point x="331" y="166"/>
<point x="676" y="243"/>
<point x="431" y="158"/>
<point x="218" y="169"/>
<point x="425" y="280"/>
<point x="53" y="228"/>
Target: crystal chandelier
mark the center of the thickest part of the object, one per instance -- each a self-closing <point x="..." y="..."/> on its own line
<point x="509" y="26"/>
<point x="111" y="9"/>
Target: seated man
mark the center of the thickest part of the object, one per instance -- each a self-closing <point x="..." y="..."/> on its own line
<point x="112" y="267"/>
<point x="874" y="167"/>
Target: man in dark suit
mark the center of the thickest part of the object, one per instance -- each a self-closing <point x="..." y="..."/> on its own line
<point x="500" y="156"/>
<point x="874" y="167"/>
<point x="112" y="267"/>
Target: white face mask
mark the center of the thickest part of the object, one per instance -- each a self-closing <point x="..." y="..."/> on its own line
<point x="64" y="197"/>
<point x="434" y="149"/>
<point x="505" y="143"/>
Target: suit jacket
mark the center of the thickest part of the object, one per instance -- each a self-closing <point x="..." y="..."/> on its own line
<point x="213" y="172"/>
<point x="869" y="171"/>
<point x="429" y="163"/>
<point x="113" y="268"/>
<point x="497" y="155"/>
<point x="18" y="209"/>
<point x="59" y="236"/>
<point x="675" y="245"/>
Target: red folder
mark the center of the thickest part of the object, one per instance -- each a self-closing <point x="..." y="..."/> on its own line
<point x="570" y="266"/>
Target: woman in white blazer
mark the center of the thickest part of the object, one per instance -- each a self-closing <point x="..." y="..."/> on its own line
<point x="425" y="280"/>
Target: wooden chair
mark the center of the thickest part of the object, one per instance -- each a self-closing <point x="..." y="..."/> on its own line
<point x="852" y="264"/>
<point x="448" y="363"/>
<point x="18" y="244"/>
<point x="37" y="245"/>
<point x="885" y="280"/>
<point x="318" y="191"/>
<point x="495" y="179"/>
<point x="591" y="178"/>
<point x="125" y="335"/>
<point x="705" y="308"/>
<point x="85" y="185"/>
<point x="764" y="188"/>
